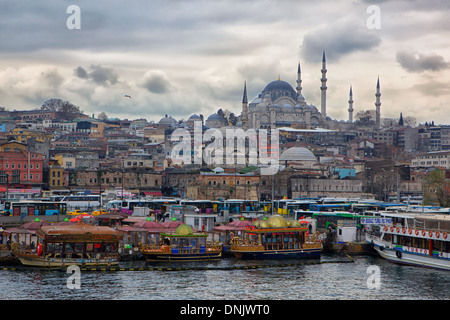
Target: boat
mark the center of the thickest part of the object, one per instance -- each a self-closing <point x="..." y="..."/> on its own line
<point x="276" y="238"/>
<point x="226" y="232"/>
<point x="183" y="245"/>
<point x="70" y="244"/>
<point x="413" y="239"/>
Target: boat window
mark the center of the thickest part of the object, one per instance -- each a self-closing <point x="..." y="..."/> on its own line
<point x="79" y="247"/>
<point x="97" y="247"/>
<point x="50" y="247"/>
<point x="69" y="247"/>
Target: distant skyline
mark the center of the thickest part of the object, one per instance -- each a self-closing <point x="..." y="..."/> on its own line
<point x="184" y="57"/>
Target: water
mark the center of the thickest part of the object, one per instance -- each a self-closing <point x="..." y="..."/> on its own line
<point x="327" y="281"/>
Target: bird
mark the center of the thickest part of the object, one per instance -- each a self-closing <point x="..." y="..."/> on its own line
<point x="127" y="96"/>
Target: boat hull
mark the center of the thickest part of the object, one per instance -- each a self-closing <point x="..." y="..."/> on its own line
<point x="183" y="257"/>
<point x="278" y="254"/>
<point x="404" y="257"/>
<point x="32" y="260"/>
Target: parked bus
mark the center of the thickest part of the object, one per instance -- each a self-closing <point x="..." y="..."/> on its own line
<point x="330" y="207"/>
<point x="82" y="202"/>
<point x="236" y="206"/>
<point x="157" y="205"/>
<point x="35" y="208"/>
<point x="327" y="219"/>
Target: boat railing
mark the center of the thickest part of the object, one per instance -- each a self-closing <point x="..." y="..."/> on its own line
<point x="210" y="246"/>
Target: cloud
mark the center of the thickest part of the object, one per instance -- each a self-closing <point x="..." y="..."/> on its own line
<point x="99" y="74"/>
<point x="417" y="62"/>
<point x="432" y="88"/>
<point x="338" y="39"/>
<point x="156" y="81"/>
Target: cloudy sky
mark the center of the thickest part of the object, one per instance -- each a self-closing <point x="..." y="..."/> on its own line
<point x="183" y="57"/>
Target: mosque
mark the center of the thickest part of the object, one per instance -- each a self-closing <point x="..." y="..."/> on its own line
<point x="279" y="105"/>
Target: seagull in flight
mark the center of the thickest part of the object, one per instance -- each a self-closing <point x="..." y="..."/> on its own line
<point x="127" y="96"/>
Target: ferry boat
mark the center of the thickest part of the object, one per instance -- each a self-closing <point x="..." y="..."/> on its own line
<point x="183" y="245"/>
<point x="276" y="238"/>
<point x="72" y="244"/>
<point x="414" y="239"/>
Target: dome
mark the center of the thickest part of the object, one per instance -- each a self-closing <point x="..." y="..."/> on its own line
<point x="278" y="85"/>
<point x="167" y="120"/>
<point x="277" y="221"/>
<point x="298" y="154"/>
<point x="312" y="107"/>
<point x="214" y="116"/>
<point x="184" y="230"/>
<point x="194" y="117"/>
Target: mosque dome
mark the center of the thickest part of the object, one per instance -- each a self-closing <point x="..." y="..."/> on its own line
<point x="297" y="154"/>
<point x="214" y="117"/>
<point x="278" y="85"/>
<point x="194" y="117"/>
<point x="167" y="120"/>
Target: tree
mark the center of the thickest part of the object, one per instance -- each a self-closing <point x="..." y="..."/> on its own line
<point x="59" y="105"/>
<point x="365" y="118"/>
<point x="435" y="191"/>
<point x="102" y="116"/>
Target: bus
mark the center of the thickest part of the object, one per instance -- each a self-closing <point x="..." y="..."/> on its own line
<point x="330" y="219"/>
<point x="203" y="206"/>
<point x="35" y="208"/>
<point x="236" y="206"/>
<point x="330" y="207"/>
<point x="82" y="202"/>
<point x="157" y="205"/>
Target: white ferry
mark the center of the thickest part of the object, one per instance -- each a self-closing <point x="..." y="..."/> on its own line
<point x="413" y="239"/>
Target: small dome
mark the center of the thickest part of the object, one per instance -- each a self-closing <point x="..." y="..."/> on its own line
<point x="294" y="223"/>
<point x="214" y="116"/>
<point x="184" y="230"/>
<point x="277" y="221"/>
<point x="194" y="117"/>
<point x="167" y="120"/>
<point x="297" y="154"/>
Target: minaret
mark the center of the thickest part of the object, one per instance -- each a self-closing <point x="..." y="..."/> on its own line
<point x="378" y="105"/>
<point x="323" y="88"/>
<point x="350" y="106"/>
<point x="299" y="80"/>
<point x="245" y="108"/>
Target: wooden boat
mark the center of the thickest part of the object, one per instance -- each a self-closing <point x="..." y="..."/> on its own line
<point x="74" y="244"/>
<point x="226" y="232"/>
<point x="183" y="245"/>
<point x="276" y="238"/>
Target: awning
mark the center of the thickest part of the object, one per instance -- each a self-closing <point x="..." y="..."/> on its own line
<point x="153" y="193"/>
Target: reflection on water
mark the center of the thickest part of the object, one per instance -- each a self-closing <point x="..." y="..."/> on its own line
<point x="219" y="281"/>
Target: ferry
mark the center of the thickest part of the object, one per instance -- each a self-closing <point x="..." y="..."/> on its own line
<point x="276" y="238"/>
<point x="413" y="239"/>
<point x="183" y="245"/>
<point x="78" y="244"/>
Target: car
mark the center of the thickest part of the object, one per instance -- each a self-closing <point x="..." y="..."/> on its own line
<point x="75" y="212"/>
<point x="99" y="212"/>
